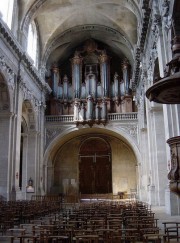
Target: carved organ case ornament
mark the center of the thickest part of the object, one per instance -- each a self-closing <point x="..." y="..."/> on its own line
<point x="94" y="85"/>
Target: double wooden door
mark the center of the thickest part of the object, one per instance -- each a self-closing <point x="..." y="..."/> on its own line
<point x="95" y="174"/>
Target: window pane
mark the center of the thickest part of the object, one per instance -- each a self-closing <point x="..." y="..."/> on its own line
<point x="32" y="42"/>
<point x="6" y="9"/>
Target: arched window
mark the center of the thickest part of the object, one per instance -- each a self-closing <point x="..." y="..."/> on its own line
<point x="6" y="11"/>
<point x="32" y="42"/>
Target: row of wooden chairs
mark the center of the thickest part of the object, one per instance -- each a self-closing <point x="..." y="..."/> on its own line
<point x="14" y="213"/>
<point x="105" y="221"/>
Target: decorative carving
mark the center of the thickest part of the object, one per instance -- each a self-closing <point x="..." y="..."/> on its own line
<point x="9" y="72"/>
<point x="166" y="90"/>
<point x="103" y="57"/>
<point x="52" y="133"/>
<point x="166" y="18"/>
<point x="165" y="8"/>
<point x="174" y="174"/>
<point x="131" y="129"/>
<point x="27" y="94"/>
<point x="90" y="46"/>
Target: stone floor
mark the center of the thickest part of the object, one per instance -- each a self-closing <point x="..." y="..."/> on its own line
<point x="162" y="216"/>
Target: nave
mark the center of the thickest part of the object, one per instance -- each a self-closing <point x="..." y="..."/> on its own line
<point x="93" y="221"/>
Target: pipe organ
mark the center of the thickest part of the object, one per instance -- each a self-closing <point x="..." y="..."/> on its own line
<point x="91" y="90"/>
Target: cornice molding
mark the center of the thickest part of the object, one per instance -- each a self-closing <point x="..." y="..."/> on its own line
<point x="146" y="6"/>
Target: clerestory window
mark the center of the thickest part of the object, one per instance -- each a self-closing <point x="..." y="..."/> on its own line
<point x="6" y="11"/>
<point x="32" y="42"/>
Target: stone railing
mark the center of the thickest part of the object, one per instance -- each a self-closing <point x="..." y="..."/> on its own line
<point x="131" y="116"/>
<point x="63" y="118"/>
<point x="122" y="116"/>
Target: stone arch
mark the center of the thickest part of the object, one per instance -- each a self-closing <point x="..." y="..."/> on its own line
<point x="55" y="151"/>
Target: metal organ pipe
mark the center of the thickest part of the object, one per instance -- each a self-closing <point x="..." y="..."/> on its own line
<point x="126" y="78"/>
<point x="89" y="108"/>
<point x="55" y="80"/>
<point x="65" y="87"/>
<point x="116" y="85"/>
<point x="76" y="74"/>
<point x="104" y="110"/>
<point x="76" y="110"/>
<point x="104" y="65"/>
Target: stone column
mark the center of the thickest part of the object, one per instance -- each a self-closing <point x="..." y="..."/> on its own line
<point x="40" y="161"/>
<point x="32" y="160"/>
<point x="6" y="151"/>
<point x="24" y="164"/>
<point x="172" y="128"/>
<point x="77" y="74"/>
<point x="105" y="73"/>
<point x="157" y="158"/>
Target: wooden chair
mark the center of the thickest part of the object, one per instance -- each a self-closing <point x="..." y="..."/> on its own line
<point x="155" y="238"/>
<point x="87" y="238"/>
<point x="7" y="239"/>
<point x="172" y="230"/>
<point x="59" y="238"/>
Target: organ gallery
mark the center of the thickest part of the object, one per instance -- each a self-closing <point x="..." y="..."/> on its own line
<point x="96" y="84"/>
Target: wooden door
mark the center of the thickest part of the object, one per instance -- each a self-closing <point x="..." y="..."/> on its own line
<point x="95" y="172"/>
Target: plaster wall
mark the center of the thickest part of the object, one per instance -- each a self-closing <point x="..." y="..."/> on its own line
<point x="66" y="171"/>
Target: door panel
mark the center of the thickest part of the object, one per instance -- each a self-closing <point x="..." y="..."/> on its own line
<point x="103" y="176"/>
<point x="95" y="176"/>
<point x="86" y="176"/>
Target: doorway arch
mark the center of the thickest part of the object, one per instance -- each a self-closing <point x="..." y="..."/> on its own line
<point x="62" y="161"/>
<point x="95" y="166"/>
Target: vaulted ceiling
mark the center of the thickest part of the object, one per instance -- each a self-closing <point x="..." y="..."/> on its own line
<point x="65" y="24"/>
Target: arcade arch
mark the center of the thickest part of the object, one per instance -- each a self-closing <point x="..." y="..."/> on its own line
<point x="63" y="160"/>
